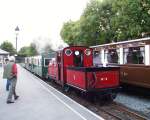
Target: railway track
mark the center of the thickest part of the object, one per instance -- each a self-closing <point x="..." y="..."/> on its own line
<point x="121" y="113"/>
<point x="108" y="110"/>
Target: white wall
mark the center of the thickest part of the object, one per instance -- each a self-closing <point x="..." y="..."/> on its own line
<point x="102" y="56"/>
<point x="147" y="54"/>
<point x="121" y="55"/>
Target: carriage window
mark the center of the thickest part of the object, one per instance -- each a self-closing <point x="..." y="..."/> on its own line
<point x="134" y="55"/>
<point x="78" y="58"/>
<point x="97" y="58"/>
<point x="111" y="56"/>
<point x="46" y="61"/>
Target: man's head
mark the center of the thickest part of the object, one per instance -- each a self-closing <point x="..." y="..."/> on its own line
<point x="6" y="60"/>
<point x="12" y="59"/>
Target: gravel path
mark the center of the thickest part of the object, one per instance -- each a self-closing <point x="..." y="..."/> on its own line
<point x="137" y="103"/>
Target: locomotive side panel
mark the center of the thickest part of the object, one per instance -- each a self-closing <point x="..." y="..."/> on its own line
<point x="105" y="79"/>
<point x="76" y="79"/>
<point x="93" y="78"/>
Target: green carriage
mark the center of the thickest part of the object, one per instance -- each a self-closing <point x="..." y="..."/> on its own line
<point x="39" y="64"/>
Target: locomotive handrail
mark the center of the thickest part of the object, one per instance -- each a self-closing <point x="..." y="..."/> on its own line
<point x="95" y="78"/>
<point x="92" y="82"/>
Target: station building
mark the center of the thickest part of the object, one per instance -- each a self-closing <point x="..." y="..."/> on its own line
<point x="3" y="56"/>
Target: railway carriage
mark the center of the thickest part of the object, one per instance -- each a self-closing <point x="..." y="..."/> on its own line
<point x="39" y="64"/>
<point x="73" y="67"/>
<point x="132" y="56"/>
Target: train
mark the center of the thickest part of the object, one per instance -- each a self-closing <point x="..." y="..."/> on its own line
<point x="72" y="67"/>
<point x="39" y="64"/>
<point x="133" y="58"/>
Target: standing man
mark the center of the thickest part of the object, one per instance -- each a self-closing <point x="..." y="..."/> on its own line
<point x="4" y="75"/>
<point x="10" y="71"/>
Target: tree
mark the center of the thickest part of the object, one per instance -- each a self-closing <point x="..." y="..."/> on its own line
<point x="33" y="49"/>
<point x="107" y="21"/>
<point x="7" y="46"/>
<point x="28" y="50"/>
<point x="92" y="28"/>
<point x="68" y="32"/>
<point x="131" y="19"/>
<point x="24" y="51"/>
<point x="96" y="21"/>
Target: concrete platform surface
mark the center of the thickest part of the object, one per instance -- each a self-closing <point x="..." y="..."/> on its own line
<point x="39" y="101"/>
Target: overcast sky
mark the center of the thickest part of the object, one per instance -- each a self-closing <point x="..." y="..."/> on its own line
<point x="36" y="18"/>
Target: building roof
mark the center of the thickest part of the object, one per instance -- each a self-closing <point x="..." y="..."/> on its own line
<point x="2" y="52"/>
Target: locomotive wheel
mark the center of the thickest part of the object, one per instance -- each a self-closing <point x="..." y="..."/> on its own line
<point x="78" y="92"/>
<point x="92" y="97"/>
<point x="111" y="96"/>
<point x="49" y="79"/>
<point x="66" y="88"/>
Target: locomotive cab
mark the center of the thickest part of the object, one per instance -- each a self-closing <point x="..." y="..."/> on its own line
<point x="78" y="58"/>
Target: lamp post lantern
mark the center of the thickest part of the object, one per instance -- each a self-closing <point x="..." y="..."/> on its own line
<point x="17" y="33"/>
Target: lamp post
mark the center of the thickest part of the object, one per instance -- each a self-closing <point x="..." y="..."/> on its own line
<point x="17" y="33"/>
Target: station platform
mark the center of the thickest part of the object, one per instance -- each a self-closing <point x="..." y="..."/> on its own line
<point x="39" y="101"/>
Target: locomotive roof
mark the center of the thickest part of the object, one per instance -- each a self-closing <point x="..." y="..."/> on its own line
<point x="60" y="50"/>
<point x="75" y="46"/>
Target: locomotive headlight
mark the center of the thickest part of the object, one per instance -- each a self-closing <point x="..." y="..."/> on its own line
<point x="76" y="53"/>
<point x="68" y="52"/>
<point x="87" y="52"/>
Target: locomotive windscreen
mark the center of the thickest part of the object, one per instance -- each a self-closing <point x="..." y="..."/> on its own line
<point x="78" y="58"/>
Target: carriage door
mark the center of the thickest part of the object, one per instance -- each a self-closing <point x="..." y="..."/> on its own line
<point x="78" y="58"/>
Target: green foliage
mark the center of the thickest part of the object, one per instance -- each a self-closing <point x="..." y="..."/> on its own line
<point x="28" y="51"/>
<point x="24" y="51"/>
<point x="107" y="21"/>
<point x="33" y="49"/>
<point x="70" y="32"/>
<point x="7" y="46"/>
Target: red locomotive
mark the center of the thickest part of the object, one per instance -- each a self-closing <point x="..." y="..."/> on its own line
<point x="73" y="67"/>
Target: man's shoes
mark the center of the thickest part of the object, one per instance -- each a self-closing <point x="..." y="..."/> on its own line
<point x="9" y="102"/>
<point x="16" y="97"/>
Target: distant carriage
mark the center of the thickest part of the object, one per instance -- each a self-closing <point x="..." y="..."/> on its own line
<point x="133" y="57"/>
<point x="39" y="64"/>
